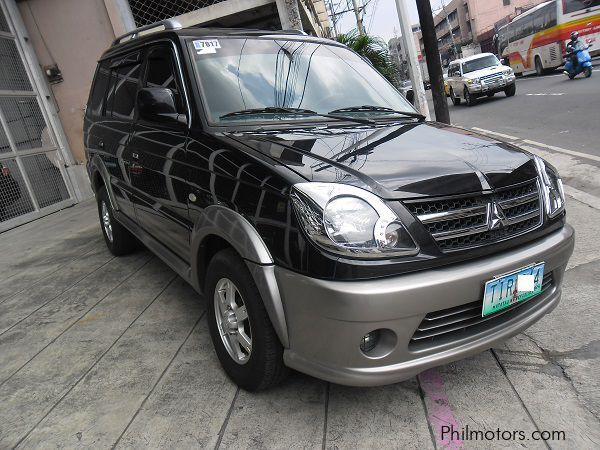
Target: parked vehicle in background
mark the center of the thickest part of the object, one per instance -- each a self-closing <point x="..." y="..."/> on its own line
<point x="331" y="229"/>
<point x="446" y="85"/>
<point x="535" y="41"/>
<point x="406" y="89"/>
<point x="478" y="76"/>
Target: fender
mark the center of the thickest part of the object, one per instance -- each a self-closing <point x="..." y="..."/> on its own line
<point x="217" y="220"/>
<point x="97" y="165"/>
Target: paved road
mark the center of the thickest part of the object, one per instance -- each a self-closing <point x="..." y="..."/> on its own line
<point x="97" y="351"/>
<point x="550" y="109"/>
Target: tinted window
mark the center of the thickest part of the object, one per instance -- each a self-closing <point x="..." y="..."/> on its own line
<point x="480" y="63"/>
<point x="570" y="6"/>
<point x="240" y="74"/>
<point x="122" y="89"/>
<point x="551" y="16"/>
<point x="161" y="72"/>
<point x="125" y="90"/>
<point x="527" y="26"/>
<point x="98" y="93"/>
<point x="512" y="32"/>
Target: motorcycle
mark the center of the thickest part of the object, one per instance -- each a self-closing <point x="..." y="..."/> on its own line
<point x="584" y="63"/>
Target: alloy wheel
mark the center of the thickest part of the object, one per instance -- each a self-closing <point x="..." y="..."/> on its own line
<point x="106" y="222"/>
<point x="232" y="321"/>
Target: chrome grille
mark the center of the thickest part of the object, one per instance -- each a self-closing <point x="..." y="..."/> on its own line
<point x="468" y="221"/>
<point x="463" y="321"/>
<point x="491" y="79"/>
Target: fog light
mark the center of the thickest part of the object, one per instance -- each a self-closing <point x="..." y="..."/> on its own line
<point x="369" y="341"/>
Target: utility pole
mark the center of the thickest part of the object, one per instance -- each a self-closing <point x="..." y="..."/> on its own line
<point x="434" y="63"/>
<point x="333" y="17"/>
<point x="454" y="49"/>
<point x="359" y="23"/>
<point x="289" y="14"/>
<point x="408" y="42"/>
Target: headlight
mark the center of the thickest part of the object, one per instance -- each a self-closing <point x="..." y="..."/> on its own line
<point x="350" y="221"/>
<point x="508" y="71"/>
<point x="554" y="195"/>
<point x="473" y="80"/>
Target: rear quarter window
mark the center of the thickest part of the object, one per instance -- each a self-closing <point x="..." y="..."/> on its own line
<point x="97" y="97"/>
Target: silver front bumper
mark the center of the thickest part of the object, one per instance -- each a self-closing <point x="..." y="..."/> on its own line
<point x="479" y="88"/>
<point x="326" y="320"/>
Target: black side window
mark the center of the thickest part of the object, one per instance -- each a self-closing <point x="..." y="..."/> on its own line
<point x="161" y="72"/>
<point x="98" y="93"/>
<point x="570" y="6"/>
<point x="123" y="84"/>
<point x="551" y="16"/>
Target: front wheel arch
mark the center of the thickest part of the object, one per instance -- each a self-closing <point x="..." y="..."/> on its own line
<point x="220" y="228"/>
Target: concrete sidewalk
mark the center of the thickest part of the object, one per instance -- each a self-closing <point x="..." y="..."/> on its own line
<point x="97" y="351"/>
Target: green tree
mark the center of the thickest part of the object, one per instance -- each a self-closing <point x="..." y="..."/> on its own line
<point x="374" y="49"/>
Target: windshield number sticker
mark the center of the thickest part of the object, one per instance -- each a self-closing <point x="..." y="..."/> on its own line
<point x="205" y="47"/>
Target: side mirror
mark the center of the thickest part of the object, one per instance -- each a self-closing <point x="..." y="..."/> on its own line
<point x="158" y="105"/>
<point x="503" y="61"/>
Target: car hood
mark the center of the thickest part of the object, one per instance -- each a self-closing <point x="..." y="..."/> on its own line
<point x="398" y="161"/>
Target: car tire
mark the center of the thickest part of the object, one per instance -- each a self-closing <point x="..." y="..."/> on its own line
<point x="539" y="67"/>
<point x="511" y="90"/>
<point x="587" y="71"/>
<point x="117" y="238"/>
<point x="455" y="100"/>
<point x="244" y="339"/>
<point x="469" y="98"/>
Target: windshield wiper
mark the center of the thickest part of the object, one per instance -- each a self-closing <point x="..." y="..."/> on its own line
<point x="371" y="108"/>
<point x="298" y="111"/>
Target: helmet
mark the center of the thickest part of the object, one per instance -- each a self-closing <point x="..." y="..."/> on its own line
<point x="574" y="35"/>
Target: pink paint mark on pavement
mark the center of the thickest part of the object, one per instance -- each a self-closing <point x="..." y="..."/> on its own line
<point x="441" y="417"/>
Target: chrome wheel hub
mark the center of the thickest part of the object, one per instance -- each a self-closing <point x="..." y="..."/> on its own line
<point x="232" y="321"/>
<point x="106" y="222"/>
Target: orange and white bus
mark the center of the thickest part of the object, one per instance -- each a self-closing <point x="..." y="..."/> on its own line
<point x="535" y="41"/>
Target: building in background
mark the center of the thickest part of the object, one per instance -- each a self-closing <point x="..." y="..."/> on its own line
<point x="465" y="27"/>
<point x="399" y="54"/>
<point x="48" y="54"/>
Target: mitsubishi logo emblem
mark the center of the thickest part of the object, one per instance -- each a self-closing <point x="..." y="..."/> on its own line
<point x="495" y="216"/>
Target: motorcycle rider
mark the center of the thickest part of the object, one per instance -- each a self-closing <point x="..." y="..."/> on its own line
<point x="573" y="46"/>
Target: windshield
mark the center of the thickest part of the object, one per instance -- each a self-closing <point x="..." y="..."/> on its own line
<point x="240" y="74"/>
<point x="480" y="63"/>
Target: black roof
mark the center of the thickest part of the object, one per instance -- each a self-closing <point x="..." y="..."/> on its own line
<point x="132" y="39"/>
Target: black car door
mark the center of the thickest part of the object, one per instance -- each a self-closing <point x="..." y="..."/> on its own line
<point x="158" y="152"/>
<point x="112" y="111"/>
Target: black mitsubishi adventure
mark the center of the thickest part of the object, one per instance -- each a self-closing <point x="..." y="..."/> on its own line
<point x="332" y="230"/>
